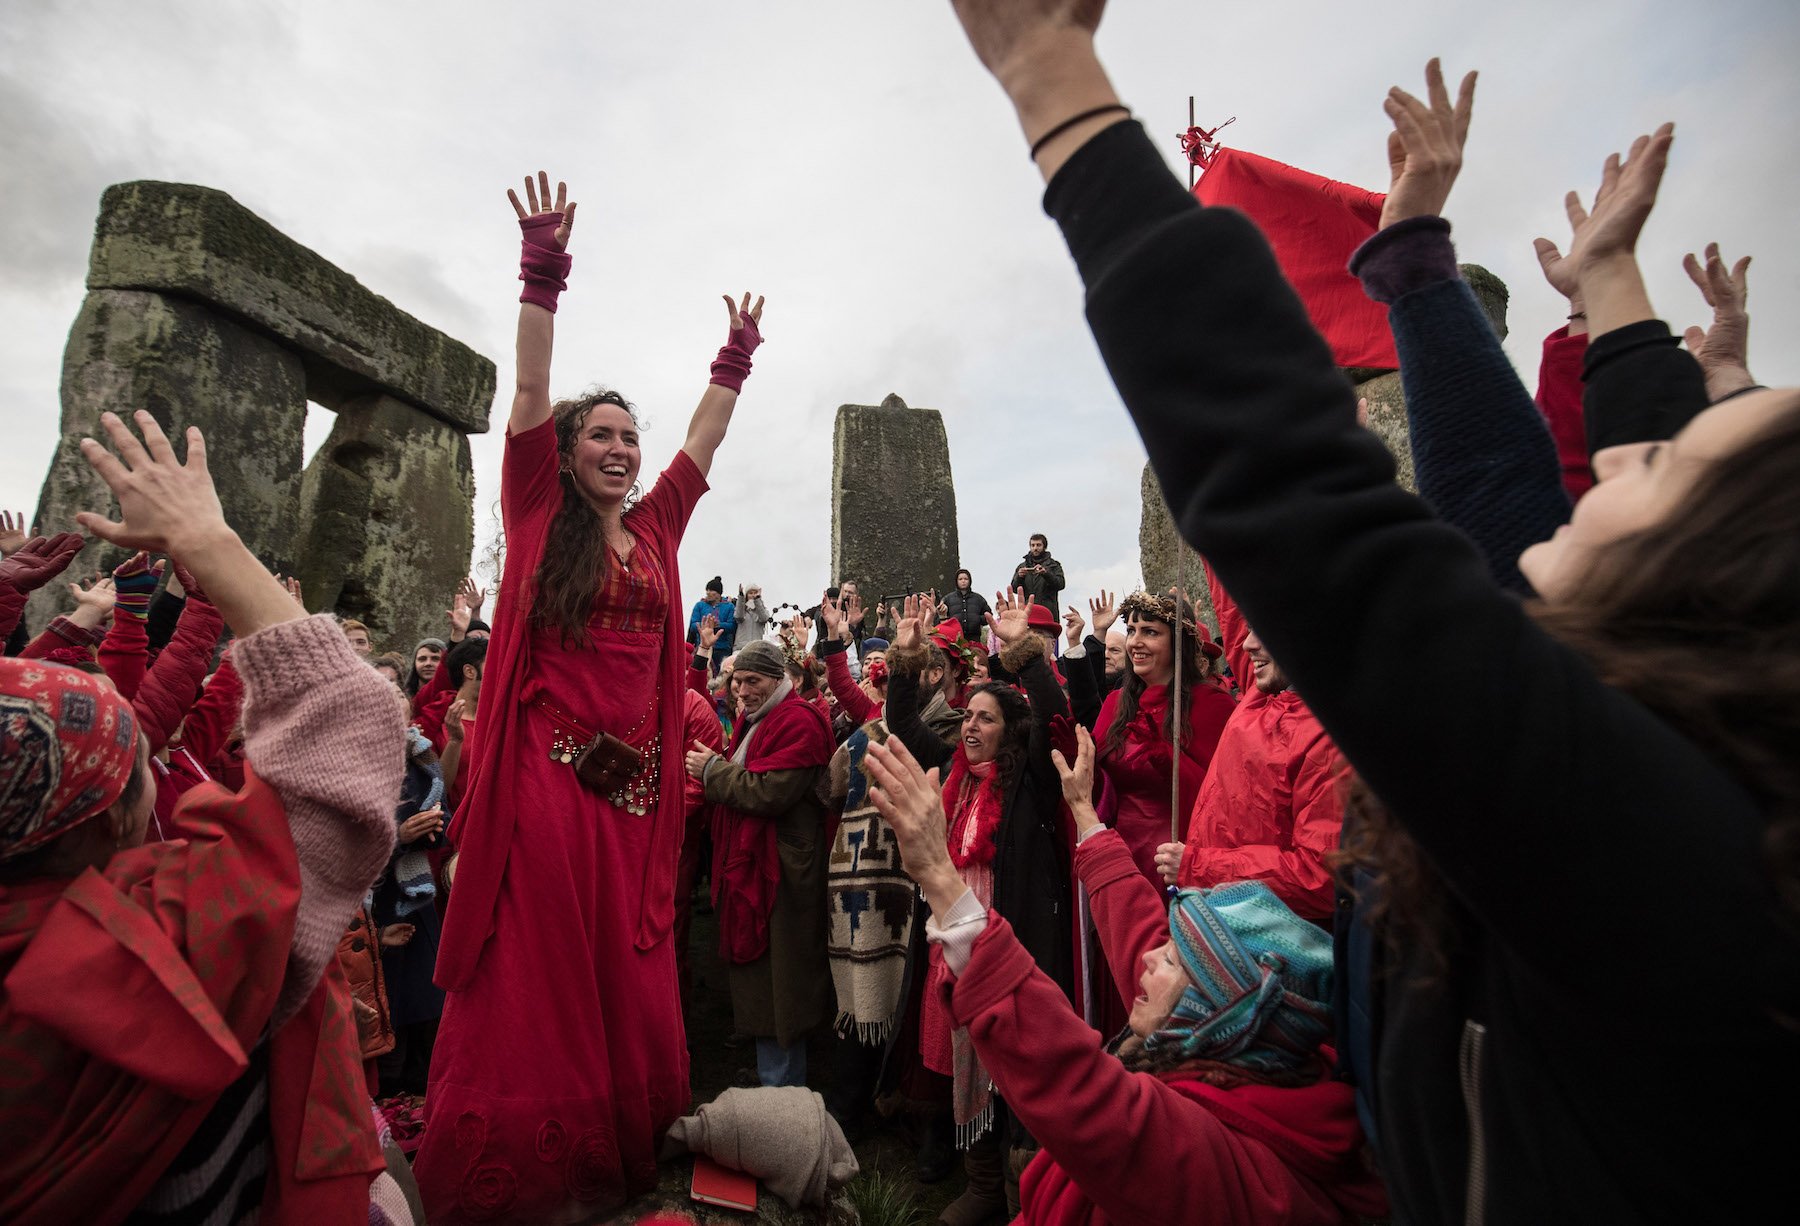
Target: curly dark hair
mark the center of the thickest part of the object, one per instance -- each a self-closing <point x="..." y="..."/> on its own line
<point x="575" y="553"/>
<point x="1698" y="618"/>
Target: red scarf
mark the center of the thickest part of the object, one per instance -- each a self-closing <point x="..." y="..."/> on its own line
<point x="972" y="799"/>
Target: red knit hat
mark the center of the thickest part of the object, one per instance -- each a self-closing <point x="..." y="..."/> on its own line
<point x="68" y="746"/>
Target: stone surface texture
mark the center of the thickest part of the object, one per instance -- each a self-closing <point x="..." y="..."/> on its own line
<point x="1164" y="557"/>
<point x="388" y="498"/>
<point x="205" y="315"/>
<point x="187" y="366"/>
<point x="893" y="506"/>
<point x="197" y="242"/>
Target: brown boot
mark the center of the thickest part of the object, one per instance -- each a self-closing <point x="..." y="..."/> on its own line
<point x="985" y="1198"/>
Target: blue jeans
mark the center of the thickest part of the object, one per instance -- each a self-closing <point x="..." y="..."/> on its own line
<point x="780" y="1066"/>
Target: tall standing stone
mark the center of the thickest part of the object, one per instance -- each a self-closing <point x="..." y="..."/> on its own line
<point x="204" y="314"/>
<point x="893" y="505"/>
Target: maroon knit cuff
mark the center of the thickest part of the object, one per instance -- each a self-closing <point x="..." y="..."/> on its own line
<point x="1409" y="255"/>
<point x="80" y="636"/>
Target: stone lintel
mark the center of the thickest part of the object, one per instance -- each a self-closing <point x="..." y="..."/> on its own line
<point x="197" y="242"/>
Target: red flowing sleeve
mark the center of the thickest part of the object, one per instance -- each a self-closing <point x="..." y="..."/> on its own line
<point x="172" y="685"/>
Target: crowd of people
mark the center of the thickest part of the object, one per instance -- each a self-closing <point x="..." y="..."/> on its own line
<point x="1370" y="895"/>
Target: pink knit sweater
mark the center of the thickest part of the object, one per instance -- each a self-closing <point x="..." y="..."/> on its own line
<point x="323" y="730"/>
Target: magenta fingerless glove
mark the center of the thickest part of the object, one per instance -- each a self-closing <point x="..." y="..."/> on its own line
<point x="542" y="268"/>
<point x="732" y="366"/>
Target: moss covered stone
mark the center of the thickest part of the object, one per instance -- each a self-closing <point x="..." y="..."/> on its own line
<point x="893" y="503"/>
<point x="199" y="243"/>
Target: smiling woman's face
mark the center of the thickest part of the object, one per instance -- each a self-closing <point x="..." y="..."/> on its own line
<point x="606" y="457"/>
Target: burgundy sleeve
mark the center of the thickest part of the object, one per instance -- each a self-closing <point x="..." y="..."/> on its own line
<point x="670" y="502"/>
<point x="1559" y="400"/>
<point x="1128" y="913"/>
<point x="172" y="685"/>
<point x="210" y="723"/>
<point x="856" y="704"/>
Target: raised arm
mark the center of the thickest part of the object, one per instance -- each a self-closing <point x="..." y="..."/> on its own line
<point x="729" y="370"/>
<point x="1483" y="454"/>
<point x="321" y="728"/>
<point x="832" y="647"/>
<point x="1269" y="476"/>
<point x="544" y="268"/>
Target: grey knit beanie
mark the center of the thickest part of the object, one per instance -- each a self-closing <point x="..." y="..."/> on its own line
<point x="761" y="657"/>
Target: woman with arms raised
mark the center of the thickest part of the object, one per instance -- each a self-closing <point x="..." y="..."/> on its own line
<point x="561" y="1056"/>
<point x="1580" y="797"/>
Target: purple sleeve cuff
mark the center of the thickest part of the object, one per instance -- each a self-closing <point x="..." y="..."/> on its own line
<point x="1409" y="255"/>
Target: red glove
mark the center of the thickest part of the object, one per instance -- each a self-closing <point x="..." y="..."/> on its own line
<point x="543" y="266"/>
<point x="732" y="366"/>
<point x="40" y="560"/>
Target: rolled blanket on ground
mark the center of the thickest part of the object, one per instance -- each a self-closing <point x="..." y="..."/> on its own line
<point x="780" y="1134"/>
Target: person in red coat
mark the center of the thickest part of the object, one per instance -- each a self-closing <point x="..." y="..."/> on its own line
<point x="1135" y="731"/>
<point x="1271" y="808"/>
<point x="561" y="1057"/>
<point x="186" y="1036"/>
<point x="1222" y="1078"/>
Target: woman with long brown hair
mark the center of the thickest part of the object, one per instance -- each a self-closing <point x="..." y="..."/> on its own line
<point x="1602" y="787"/>
<point x="561" y="1057"/>
<point x="1137" y="733"/>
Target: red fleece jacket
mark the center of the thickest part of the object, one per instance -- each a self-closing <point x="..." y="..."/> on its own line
<point x="1129" y="1147"/>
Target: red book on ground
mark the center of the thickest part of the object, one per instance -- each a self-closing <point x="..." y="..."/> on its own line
<point x="718" y="1185"/>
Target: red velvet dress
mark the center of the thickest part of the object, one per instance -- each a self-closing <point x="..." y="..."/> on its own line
<point x="561" y="1057"/>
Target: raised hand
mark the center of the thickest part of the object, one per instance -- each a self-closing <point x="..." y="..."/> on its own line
<point x="460" y="615"/>
<point x="134" y="582"/>
<point x="1104" y="609"/>
<point x="798" y="629"/>
<point x="740" y="313"/>
<point x="909" y="799"/>
<point x="931" y="608"/>
<point x="1078" y="778"/>
<point x="165" y="506"/>
<point x="12" y="532"/>
<point x="707" y="634"/>
<point x="1722" y="350"/>
<point x="537" y="205"/>
<point x="831" y="613"/>
<point x="94" y="601"/>
<point x="853" y="610"/>
<point x="1425" y="148"/>
<point x="1073" y="624"/>
<point x="294" y="593"/>
<point x="453" y="720"/>
<point x="909" y="631"/>
<point x="1009" y="621"/>
<point x="1621" y="206"/>
<point x="39" y="560"/>
<point x="1004" y="34"/>
<point x="472" y="595"/>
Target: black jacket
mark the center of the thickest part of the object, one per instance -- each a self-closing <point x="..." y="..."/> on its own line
<point x="1606" y="1042"/>
<point x="970" y="608"/>
<point x="1043" y="587"/>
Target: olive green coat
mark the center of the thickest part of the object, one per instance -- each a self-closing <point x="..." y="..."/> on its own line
<point x="787" y="992"/>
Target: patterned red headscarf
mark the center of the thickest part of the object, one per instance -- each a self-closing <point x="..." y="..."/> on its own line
<point x="68" y="745"/>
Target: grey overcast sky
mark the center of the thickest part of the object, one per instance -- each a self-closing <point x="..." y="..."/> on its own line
<point x="853" y="162"/>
